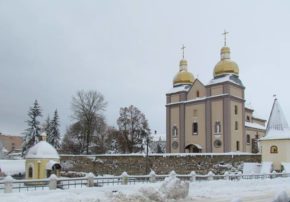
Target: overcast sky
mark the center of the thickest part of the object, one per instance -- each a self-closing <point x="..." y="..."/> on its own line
<point x="130" y="51"/>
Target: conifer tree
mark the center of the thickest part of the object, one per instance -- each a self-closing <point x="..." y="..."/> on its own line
<point x="47" y="127"/>
<point x="32" y="133"/>
<point x="53" y="136"/>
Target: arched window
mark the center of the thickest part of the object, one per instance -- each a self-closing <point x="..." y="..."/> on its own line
<point x="236" y="109"/>
<point x="194" y="128"/>
<point x="30" y="172"/>
<point x="274" y="149"/>
<point x="248" y="139"/>
<point x="174" y="131"/>
<point x="197" y="93"/>
<point x="238" y="146"/>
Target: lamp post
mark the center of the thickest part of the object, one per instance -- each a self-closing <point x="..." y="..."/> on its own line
<point x="147" y="145"/>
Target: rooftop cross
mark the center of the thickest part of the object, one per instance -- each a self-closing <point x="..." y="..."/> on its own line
<point x="183" y="47"/>
<point x="225" y="35"/>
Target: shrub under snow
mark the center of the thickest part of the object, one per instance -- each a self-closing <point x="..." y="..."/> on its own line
<point x="172" y="188"/>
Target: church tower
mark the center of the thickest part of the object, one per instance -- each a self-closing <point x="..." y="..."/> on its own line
<point x="225" y="106"/>
<point x="211" y="117"/>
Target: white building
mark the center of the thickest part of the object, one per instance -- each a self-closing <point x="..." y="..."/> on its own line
<point x="275" y="146"/>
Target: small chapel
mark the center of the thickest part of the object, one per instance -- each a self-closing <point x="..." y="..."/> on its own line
<point x="275" y="146"/>
<point x="42" y="160"/>
<point x="211" y="117"/>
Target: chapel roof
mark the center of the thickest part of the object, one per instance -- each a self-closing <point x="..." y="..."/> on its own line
<point x="277" y="127"/>
<point x="42" y="150"/>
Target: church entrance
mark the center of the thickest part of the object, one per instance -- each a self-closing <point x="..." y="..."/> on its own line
<point x="193" y="148"/>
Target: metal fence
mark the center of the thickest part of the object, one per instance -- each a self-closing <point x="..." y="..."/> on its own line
<point x="9" y="184"/>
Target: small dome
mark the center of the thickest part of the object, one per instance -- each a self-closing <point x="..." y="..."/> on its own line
<point x="42" y="150"/>
<point x="226" y="65"/>
<point x="183" y="76"/>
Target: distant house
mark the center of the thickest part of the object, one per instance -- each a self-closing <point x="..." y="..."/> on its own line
<point x="11" y="143"/>
<point x="158" y="143"/>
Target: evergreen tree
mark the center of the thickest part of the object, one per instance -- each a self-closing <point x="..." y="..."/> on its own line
<point x="32" y="133"/>
<point x="47" y="127"/>
<point x="53" y="137"/>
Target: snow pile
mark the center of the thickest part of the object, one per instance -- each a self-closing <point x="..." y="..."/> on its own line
<point x="251" y="168"/>
<point x="266" y="167"/>
<point x="12" y="167"/>
<point x="286" y="167"/>
<point x="171" y="189"/>
<point x="174" y="188"/>
<point x="281" y="197"/>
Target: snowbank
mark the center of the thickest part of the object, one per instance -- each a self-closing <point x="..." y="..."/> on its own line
<point x="251" y="168"/>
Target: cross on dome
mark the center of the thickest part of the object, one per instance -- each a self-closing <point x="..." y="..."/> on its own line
<point x="225" y="37"/>
<point x="183" y="47"/>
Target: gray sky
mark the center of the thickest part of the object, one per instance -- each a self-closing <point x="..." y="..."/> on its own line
<point x="130" y="51"/>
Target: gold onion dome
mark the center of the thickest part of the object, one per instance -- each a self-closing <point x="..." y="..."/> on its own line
<point x="226" y="65"/>
<point x="183" y="76"/>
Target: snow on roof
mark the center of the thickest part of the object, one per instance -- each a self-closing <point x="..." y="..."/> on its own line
<point x="255" y="125"/>
<point x="277" y="120"/>
<point x="277" y="127"/>
<point x="277" y="135"/>
<point x="50" y="163"/>
<point x="42" y="150"/>
<point x="12" y="135"/>
<point x="12" y="167"/>
<point x="179" y="89"/>
<point x="229" y="77"/>
<point x="159" y="137"/>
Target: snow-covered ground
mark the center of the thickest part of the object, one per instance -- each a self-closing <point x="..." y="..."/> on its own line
<point x="12" y="167"/>
<point x="221" y="190"/>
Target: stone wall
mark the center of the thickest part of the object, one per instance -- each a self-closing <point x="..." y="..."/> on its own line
<point x="161" y="164"/>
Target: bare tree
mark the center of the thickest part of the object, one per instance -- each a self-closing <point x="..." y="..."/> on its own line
<point x="88" y="107"/>
<point x="134" y="129"/>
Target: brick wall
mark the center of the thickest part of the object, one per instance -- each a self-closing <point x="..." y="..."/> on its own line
<point x="161" y="164"/>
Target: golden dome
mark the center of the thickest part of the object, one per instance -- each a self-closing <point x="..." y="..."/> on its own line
<point x="183" y="76"/>
<point x="226" y="65"/>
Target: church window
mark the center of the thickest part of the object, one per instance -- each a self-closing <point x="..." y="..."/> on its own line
<point x="217" y="127"/>
<point x="174" y="131"/>
<point x="274" y="150"/>
<point x="248" y="118"/>
<point x="248" y="139"/>
<point x="236" y="109"/>
<point x="238" y="146"/>
<point x="195" y="113"/>
<point x="194" y="128"/>
<point x="197" y="93"/>
<point x="30" y="172"/>
<point x="236" y="125"/>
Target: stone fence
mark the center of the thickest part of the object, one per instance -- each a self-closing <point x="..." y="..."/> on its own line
<point x="136" y="164"/>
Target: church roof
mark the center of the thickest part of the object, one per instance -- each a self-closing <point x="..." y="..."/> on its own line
<point x="177" y="89"/>
<point x="277" y="127"/>
<point x="42" y="150"/>
<point x="226" y="78"/>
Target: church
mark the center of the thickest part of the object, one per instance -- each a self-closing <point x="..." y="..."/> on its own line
<point x="212" y="117"/>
